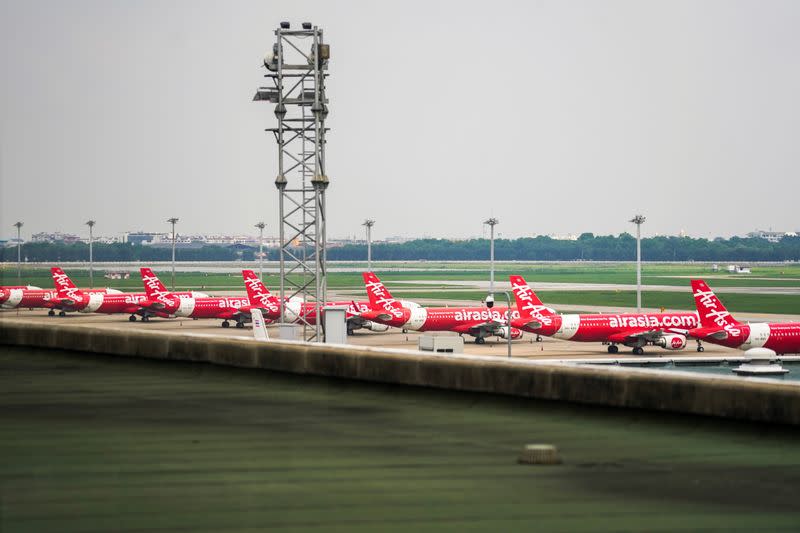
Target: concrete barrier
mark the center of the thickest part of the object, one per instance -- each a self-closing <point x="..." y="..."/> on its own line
<point x="676" y="391"/>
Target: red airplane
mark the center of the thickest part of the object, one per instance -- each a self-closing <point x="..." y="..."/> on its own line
<point x="70" y="298"/>
<point x="36" y="298"/>
<point x="719" y="327"/>
<point x="175" y="304"/>
<point x="270" y="305"/>
<point x="479" y="322"/>
<point x="636" y="330"/>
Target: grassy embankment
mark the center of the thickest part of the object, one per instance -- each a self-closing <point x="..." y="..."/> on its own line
<point x="116" y="444"/>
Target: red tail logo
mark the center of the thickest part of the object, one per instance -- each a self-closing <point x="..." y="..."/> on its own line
<point x="153" y="287"/>
<point x="64" y="286"/>
<point x="258" y="294"/>
<point x="529" y="305"/>
<point x="710" y="309"/>
<point x="379" y="297"/>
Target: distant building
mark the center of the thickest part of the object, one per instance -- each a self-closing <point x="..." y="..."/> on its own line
<point x="56" y="236"/>
<point x="771" y="236"/>
<point x="141" y="237"/>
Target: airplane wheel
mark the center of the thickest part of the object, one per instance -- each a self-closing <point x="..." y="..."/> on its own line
<point x="701" y="349"/>
<point x="132" y="318"/>
<point x="613" y="348"/>
<point x="479" y="340"/>
<point x="145" y="319"/>
<point x="538" y="338"/>
<point x="62" y="313"/>
<point x="240" y="325"/>
<point x="51" y="313"/>
<point x="638" y="350"/>
<point x="350" y="333"/>
<point x="225" y="324"/>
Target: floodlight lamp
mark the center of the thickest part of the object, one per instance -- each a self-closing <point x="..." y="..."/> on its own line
<point x="285" y="25"/>
<point x="306" y="25"/>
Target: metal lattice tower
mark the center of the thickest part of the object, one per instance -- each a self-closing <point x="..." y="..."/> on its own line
<point x="297" y="66"/>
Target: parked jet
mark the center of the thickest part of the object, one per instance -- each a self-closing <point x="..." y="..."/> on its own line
<point x="36" y="298"/>
<point x="260" y="297"/>
<point x="636" y="330"/>
<point x="719" y="327"/>
<point x="479" y="322"/>
<point x="174" y="304"/>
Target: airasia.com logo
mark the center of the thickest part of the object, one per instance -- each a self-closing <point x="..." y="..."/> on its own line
<point x="720" y="317"/>
<point x="676" y="342"/>
<point x="387" y="302"/>
<point x="525" y="294"/>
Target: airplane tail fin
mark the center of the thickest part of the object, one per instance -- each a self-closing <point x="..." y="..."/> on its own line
<point x="259" y="326"/>
<point x="709" y="308"/>
<point x="152" y="285"/>
<point x="379" y="296"/>
<point x="64" y="286"/>
<point x="528" y="304"/>
<point x="257" y="293"/>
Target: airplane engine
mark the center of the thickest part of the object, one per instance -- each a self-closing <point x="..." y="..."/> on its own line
<point x="503" y="333"/>
<point x="374" y="326"/>
<point x="672" y="342"/>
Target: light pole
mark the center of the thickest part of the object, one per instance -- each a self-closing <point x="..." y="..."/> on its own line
<point x="492" y="222"/>
<point x="18" y="225"/>
<point x="368" y="224"/>
<point x="173" y="221"/>
<point x="490" y="304"/>
<point x="638" y="220"/>
<point x="90" y="223"/>
<point x="260" y="227"/>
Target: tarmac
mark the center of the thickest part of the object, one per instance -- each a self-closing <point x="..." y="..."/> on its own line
<point x="527" y="347"/>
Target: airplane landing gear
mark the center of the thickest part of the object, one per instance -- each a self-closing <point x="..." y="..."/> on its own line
<point x="538" y="338"/>
<point x="132" y="318"/>
<point x="613" y="348"/>
<point x="225" y="324"/>
<point x="638" y="350"/>
<point x="700" y="347"/>
<point x="62" y="313"/>
<point x="480" y="340"/>
<point x="145" y="318"/>
<point x="240" y="325"/>
<point x="51" y="313"/>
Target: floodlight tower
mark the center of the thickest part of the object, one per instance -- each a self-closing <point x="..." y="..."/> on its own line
<point x="492" y="222"/>
<point x="261" y="227"/>
<point x="638" y="220"/>
<point x="297" y="69"/>
<point x="91" y="223"/>
<point x="368" y="224"/>
<point x="173" y="221"/>
<point x="18" y="225"/>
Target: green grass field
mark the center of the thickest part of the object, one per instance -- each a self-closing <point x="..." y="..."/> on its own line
<point x="653" y="274"/>
<point x="98" y="444"/>
<point x="753" y="303"/>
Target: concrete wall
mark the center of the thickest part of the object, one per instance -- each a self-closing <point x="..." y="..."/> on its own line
<point x="680" y="392"/>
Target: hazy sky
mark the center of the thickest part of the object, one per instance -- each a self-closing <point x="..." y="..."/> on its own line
<point x="554" y="116"/>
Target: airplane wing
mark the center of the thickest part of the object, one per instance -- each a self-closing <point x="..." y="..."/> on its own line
<point x="482" y="329"/>
<point x="651" y="335"/>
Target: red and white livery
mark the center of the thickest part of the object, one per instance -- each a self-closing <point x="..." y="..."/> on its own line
<point x="479" y="322"/>
<point x="193" y="305"/>
<point x="719" y="327"/>
<point x="636" y="330"/>
<point x="16" y="297"/>
<point x="296" y="308"/>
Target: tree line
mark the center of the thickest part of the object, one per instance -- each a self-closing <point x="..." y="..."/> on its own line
<point x="588" y="247"/>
